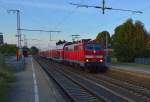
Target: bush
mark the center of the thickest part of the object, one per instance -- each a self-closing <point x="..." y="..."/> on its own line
<point x="6" y="77"/>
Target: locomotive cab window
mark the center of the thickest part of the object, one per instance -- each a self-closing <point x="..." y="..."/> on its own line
<point x="93" y="47"/>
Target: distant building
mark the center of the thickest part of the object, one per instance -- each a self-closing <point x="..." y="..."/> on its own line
<point x="1" y="39"/>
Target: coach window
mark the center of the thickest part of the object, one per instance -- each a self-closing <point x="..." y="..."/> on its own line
<point x="80" y="47"/>
<point x="66" y="48"/>
<point x="76" y="48"/>
<point x="71" y="48"/>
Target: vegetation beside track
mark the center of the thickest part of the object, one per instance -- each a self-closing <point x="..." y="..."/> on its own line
<point x="132" y="64"/>
<point x="6" y="78"/>
<point x="130" y="76"/>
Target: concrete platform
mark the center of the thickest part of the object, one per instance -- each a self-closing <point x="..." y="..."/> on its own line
<point x="33" y="85"/>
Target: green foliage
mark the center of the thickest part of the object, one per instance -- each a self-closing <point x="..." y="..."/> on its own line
<point x="34" y="50"/>
<point x="60" y="42"/>
<point x="8" y="49"/>
<point x="3" y="90"/>
<point x="129" y="41"/>
<point x="6" y="77"/>
<point x="101" y="38"/>
<point x="148" y="44"/>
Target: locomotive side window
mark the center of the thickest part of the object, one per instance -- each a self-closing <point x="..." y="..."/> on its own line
<point x="75" y="48"/>
<point x="66" y="49"/>
<point x="81" y="47"/>
<point x="71" y="48"/>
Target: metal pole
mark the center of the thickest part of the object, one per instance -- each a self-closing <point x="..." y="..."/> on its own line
<point x="50" y="37"/>
<point x="19" y="32"/>
<point x="19" y="53"/>
<point x="49" y="44"/>
<point x="18" y="29"/>
<point x="106" y="48"/>
<point x="2" y="39"/>
<point x="103" y="8"/>
<point x="25" y="41"/>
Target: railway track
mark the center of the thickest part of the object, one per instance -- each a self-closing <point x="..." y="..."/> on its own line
<point x="135" y="92"/>
<point x="94" y="87"/>
<point x="140" y="91"/>
<point x="73" y="89"/>
<point x="86" y="88"/>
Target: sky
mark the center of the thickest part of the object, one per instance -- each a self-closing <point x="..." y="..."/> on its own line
<point x="60" y="15"/>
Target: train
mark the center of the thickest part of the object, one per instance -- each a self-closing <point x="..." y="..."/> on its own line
<point x="25" y="51"/>
<point x="86" y="54"/>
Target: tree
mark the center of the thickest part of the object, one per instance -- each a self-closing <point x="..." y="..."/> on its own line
<point x="34" y="50"/>
<point x="129" y="41"/>
<point x="101" y="38"/>
<point x="60" y="42"/>
<point x="141" y="40"/>
<point x="148" y="44"/>
<point x="8" y="49"/>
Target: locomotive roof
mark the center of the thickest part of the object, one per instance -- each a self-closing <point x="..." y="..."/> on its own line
<point x="83" y="41"/>
<point x="60" y="46"/>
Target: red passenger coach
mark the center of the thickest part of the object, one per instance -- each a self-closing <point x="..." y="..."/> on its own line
<point x="85" y="53"/>
<point x="57" y="53"/>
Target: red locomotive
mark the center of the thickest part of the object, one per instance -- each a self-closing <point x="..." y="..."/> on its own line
<point x="87" y="54"/>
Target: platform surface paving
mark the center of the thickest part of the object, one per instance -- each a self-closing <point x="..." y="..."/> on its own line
<point x="33" y="85"/>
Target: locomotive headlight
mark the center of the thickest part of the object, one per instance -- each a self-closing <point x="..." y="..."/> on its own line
<point x="101" y="60"/>
<point x="87" y="60"/>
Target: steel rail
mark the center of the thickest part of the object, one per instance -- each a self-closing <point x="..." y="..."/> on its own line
<point x="136" y="90"/>
<point x="76" y="92"/>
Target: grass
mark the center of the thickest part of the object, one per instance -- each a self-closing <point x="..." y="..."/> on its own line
<point x="132" y="64"/>
<point x="129" y="76"/>
<point x="115" y="62"/>
<point x="3" y="90"/>
<point x="6" y="78"/>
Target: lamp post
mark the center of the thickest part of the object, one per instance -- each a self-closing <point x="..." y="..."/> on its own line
<point x="106" y="49"/>
<point x="17" y="12"/>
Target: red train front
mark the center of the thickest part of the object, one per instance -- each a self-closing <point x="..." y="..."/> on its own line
<point x="87" y="54"/>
